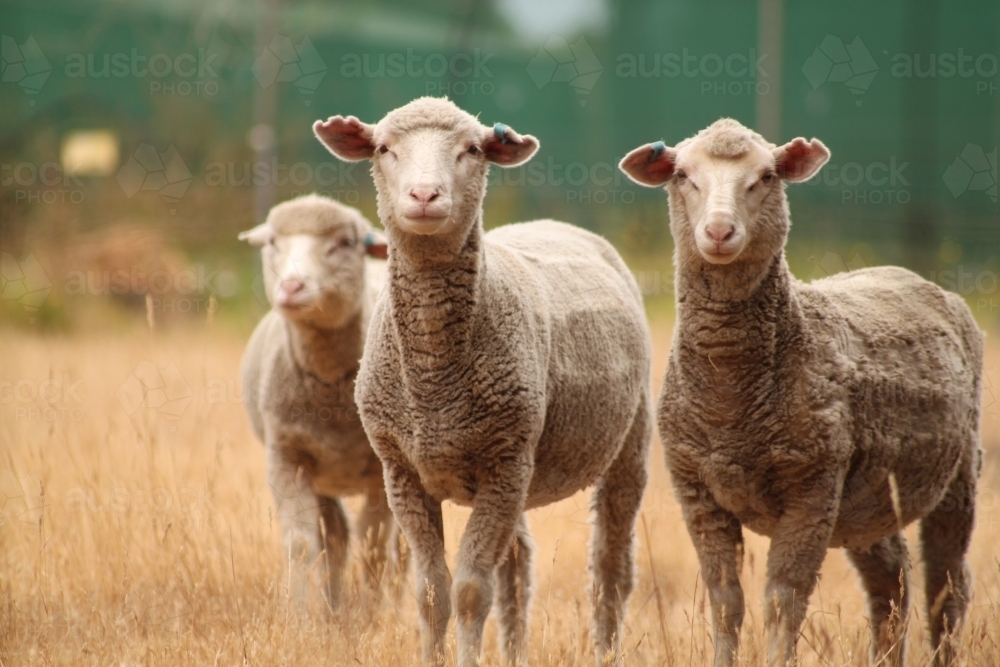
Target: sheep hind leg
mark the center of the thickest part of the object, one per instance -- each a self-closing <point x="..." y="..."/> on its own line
<point x="944" y="535"/>
<point x="513" y="585"/>
<point x="615" y="506"/>
<point x="335" y="530"/>
<point x="883" y="570"/>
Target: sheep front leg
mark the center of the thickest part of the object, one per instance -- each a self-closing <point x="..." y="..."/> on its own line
<point x="496" y="512"/>
<point x="798" y="547"/>
<point x="718" y="539"/>
<point x="299" y="512"/>
<point x="419" y="517"/>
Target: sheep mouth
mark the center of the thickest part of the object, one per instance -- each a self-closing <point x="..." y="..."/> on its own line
<point x="716" y="256"/>
<point x="292" y="305"/>
<point x="423" y="224"/>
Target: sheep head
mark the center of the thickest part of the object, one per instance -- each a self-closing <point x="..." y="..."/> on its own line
<point x="429" y="162"/>
<point x="313" y="251"/>
<point x="726" y="190"/>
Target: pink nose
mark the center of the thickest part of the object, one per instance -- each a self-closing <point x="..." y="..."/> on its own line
<point x="291" y="286"/>
<point x="720" y="232"/>
<point x="424" y="195"/>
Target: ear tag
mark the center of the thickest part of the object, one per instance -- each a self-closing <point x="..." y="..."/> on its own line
<point x="369" y="239"/>
<point x="658" y="149"/>
<point x="499" y="130"/>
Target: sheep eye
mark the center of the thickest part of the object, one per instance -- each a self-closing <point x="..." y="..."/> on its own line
<point x="382" y="149"/>
<point x="768" y="177"/>
<point x="346" y="242"/>
<point x="681" y="175"/>
<point x="474" y="150"/>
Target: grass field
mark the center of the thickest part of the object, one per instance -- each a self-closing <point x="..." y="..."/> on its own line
<point x="138" y="530"/>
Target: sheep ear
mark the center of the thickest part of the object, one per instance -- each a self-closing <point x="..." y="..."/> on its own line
<point x="347" y="138"/>
<point x="507" y="148"/>
<point x="258" y="236"/>
<point x="799" y="160"/>
<point x="376" y="245"/>
<point x="651" y="165"/>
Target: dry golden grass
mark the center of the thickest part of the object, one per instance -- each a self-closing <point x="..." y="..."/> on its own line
<point x="148" y="538"/>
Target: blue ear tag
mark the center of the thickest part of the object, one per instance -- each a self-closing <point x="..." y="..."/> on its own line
<point x="658" y="149"/>
<point x="369" y="239"/>
<point x="499" y="130"/>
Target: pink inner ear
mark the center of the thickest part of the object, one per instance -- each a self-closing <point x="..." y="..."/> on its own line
<point x="347" y="138"/>
<point x="800" y="159"/>
<point x="648" y="166"/>
<point x="512" y="152"/>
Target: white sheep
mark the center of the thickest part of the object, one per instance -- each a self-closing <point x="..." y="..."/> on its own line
<point x="801" y="411"/>
<point x="503" y="371"/>
<point x="298" y="374"/>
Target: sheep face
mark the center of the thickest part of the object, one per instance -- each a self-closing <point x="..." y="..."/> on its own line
<point x="429" y="162"/>
<point x="725" y="188"/>
<point x="313" y="253"/>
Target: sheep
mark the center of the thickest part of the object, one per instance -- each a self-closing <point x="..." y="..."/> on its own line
<point x="503" y="371"/>
<point x="298" y="376"/>
<point x="821" y="415"/>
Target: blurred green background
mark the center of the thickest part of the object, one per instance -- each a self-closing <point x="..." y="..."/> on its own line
<point x="138" y="137"/>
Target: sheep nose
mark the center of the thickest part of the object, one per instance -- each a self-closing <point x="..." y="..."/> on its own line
<point x="720" y="232"/>
<point x="291" y="286"/>
<point x="424" y="195"/>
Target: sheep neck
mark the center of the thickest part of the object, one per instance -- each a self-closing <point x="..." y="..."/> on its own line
<point x="327" y="354"/>
<point x="736" y="323"/>
<point x="433" y="298"/>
